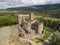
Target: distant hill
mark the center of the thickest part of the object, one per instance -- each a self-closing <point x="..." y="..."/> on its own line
<point x="51" y="10"/>
<point x="36" y="8"/>
<point x="51" y="13"/>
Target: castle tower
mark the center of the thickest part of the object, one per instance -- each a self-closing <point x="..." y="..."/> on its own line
<point x="40" y="28"/>
<point x="19" y="19"/>
<point x="31" y="15"/>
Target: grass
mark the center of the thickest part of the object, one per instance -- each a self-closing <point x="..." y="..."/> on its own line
<point x="7" y="20"/>
<point x="47" y="33"/>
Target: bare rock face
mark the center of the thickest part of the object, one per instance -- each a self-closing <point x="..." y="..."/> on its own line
<point x="14" y="38"/>
<point x="4" y="35"/>
<point x="9" y="35"/>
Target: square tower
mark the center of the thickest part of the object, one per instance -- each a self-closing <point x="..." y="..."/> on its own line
<point x="31" y="15"/>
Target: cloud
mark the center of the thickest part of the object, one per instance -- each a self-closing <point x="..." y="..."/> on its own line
<point x="2" y="0"/>
<point x="17" y="3"/>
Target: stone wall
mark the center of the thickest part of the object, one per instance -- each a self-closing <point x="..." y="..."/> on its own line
<point x="40" y="28"/>
<point x="31" y="15"/>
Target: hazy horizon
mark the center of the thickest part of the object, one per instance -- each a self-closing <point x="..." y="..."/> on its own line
<point x="18" y="3"/>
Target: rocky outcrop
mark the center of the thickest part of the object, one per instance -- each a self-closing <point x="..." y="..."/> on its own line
<point x="9" y="35"/>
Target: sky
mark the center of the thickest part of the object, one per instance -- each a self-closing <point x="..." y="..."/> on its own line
<point x="18" y="3"/>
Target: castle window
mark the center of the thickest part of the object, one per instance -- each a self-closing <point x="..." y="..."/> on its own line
<point x="42" y="31"/>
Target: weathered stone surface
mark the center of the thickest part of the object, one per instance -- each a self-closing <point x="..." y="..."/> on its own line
<point x="29" y="26"/>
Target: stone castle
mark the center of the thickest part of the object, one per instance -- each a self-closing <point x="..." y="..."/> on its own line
<point x="29" y="26"/>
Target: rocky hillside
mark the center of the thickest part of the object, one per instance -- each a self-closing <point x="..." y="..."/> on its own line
<point x="9" y="35"/>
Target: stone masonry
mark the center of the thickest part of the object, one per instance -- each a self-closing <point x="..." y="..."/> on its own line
<point x="29" y="26"/>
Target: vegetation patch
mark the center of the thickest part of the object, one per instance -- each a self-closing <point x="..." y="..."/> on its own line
<point x="37" y="40"/>
<point x="7" y="20"/>
<point x="55" y="40"/>
<point x="48" y="32"/>
<point x="51" y="13"/>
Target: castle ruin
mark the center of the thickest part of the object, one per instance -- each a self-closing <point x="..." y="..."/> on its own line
<point x="29" y="26"/>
